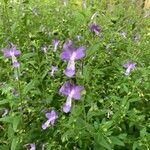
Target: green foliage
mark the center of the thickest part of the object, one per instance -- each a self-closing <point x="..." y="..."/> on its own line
<point x="113" y="112"/>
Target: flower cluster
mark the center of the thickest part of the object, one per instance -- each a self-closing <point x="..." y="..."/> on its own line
<point x="71" y="54"/>
<point x="69" y="89"/>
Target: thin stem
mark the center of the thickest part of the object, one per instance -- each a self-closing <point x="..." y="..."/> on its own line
<point x="83" y="108"/>
<point x="19" y="85"/>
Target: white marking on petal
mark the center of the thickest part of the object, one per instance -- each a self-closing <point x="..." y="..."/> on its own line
<point x="94" y="15"/>
<point x="69" y="100"/>
<point x="47" y="122"/>
<point x="127" y="71"/>
<point x="71" y="65"/>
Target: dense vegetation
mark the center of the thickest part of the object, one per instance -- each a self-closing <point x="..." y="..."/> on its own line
<point x="95" y="55"/>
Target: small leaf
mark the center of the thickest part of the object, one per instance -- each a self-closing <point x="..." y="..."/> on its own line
<point x="4" y="101"/>
<point x="14" y="143"/>
<point x="116" y="141"/>
<point x="93" y="49"/>
<point x="102" y="141"/>
<point x="28" y="55"/>
<point x="135" y="145"/>
<point x="7" y="119"/>
<point x="16" y="121"/>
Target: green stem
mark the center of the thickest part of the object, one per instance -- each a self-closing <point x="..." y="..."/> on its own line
<point x="19" y="85"/>
<point x="83" y="108"/>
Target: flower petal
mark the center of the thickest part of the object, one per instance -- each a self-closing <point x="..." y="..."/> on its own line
<point x="66" y="108"/>
<point x="66" y="88"/>
<point x="69" y="72"/>
<point x="32" y="146"/>
<point x="77" y="92"/>
<point x="16" y="64"/>
<point x="45" y="125"/>
<point x="67" y="105"/>
<point x="80" y="52"/>
<point x="67" y="50"/>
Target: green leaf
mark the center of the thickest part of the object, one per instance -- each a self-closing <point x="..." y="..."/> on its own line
<point x="28" y="55"/>
<point x="103" y="142"/>
<point x="44" y="74"/>
<point x="29" y="86"/>
<point x="4" y="101"/>
<point x="86" y="73"/>
<point x="93" y="49"/>
<point x="10" y="131"/>
<point x="14" y="143"/>
<point x="16" y="122"/>
<point x="7" y="119"/>
<point x="135" y="145"/>
<point x="116" y="141"/>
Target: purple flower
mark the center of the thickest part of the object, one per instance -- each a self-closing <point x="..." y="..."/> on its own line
<point x="55" y="43"/>
<point x="123" y="34"/>
<point x="30" y="146"/>
<point x="35" y="11"/>
<point x="95" y="28"/>
<point x="65" y="3"/>
<point x="136" y="37"/>
<point x="146" y="13"/>
<point x="53" y="69"/>
<point x="84" y="4"/>
<point x="43" y="146"/>
<point x="5" y="112"/>
<point x="79" y="37"/>
<point x="72" y="91"/>
<point x="52" y="116"/>
<point x="71" y="54"/>
<point x="42" y="28"/>
<point x="11" y="53"/>
<point x="44" y="48"/>
<point x="129" y="66"/>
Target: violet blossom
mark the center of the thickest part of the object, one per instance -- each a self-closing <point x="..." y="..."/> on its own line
<point x="43" y="146"/>
<point x="5" y="112"/>
<point x="71" y="54"/>
<point x="35" y="11"/>
<point x="53" y="69"/>
<point x="44" y="48"/>
<point x="95" y="28"/>
<point x="136" y="37"/>
<point x="123" y="34"/>
<point x="84" y="4"/>
<point x="65" y="3"/>
<point x="31" y="146"/>
<point x="72" y="91"/>
<point x="12" y="52"/>
<point x="55" y="43"/>
<point x="129" y="66"/>
<point x="79" y="37"/>
<point x="51" y="116"/>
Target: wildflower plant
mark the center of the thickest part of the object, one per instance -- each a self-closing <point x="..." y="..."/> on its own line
<point x="70" y="85"/>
